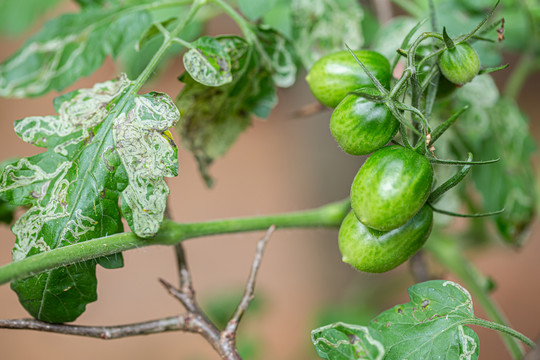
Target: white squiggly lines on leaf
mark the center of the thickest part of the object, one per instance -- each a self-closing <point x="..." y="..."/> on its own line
<point x="347" y="342"/>
<point x="208" y="62"/>
<point x="148" y="154"/>
<point x="73" y="188"/>
<point x="72" y="46"/>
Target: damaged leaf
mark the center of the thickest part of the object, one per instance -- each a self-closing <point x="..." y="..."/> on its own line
<point x="69" y="47"/>
<point x="105" y="142"/>
<point x="213" y="117"/>
<point x="347" y="342"/>
<point x="208" y="63"/>
<point x="432" y="323"/>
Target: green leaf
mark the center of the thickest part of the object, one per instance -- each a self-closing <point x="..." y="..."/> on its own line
<point x="6" y="211"/>
<point x="510" y="183"/>
<point x="340" y="341"/>
<point x="69" y="47"/>
<point x="254" y="9"/>
<point x="17" y="16"/>
<point x="213" y="117"/>
<point x="208" y="62"/>
<point x="389" y="36"/>
<point x="106" y="142"/>
<point x="495" y="127"/>
<point x="431" y="325"/>
<point x="280" y="18"/>
<point x="281" y="55"/>
<point x="324" y="26"/>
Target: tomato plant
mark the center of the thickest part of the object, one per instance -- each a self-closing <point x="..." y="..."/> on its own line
<point x="459" y="63"/>
<point x="391" y="187"/>
<point x="361" y="126"/>
<point x="442" y="140"/>
<point x="333" y="76"/>
<point x="376" y="251"/>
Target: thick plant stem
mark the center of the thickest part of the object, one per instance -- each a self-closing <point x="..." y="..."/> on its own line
<point x="170" y="233"/>
<point x="447" y="252"/>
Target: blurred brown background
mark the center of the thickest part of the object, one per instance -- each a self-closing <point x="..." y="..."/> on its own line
<point x="280" y="164"/>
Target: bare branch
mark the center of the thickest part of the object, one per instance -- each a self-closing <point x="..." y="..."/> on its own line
<point x="249" y="291"/>
<point x="193" y="321"/>
<point x="186" y="284"/>
<point x="173" y="323"/>
<point x="187" y="299"/>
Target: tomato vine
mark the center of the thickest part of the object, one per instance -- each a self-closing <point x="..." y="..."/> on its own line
<point x="415" y="99"/>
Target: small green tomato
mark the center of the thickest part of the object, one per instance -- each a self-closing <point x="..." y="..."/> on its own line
<point x="375" y="251"/>
<point x="333" y="76"/>
<point x="361" y="126"/>
<point x="391" y="187"/>
<point x="460" y="64"/>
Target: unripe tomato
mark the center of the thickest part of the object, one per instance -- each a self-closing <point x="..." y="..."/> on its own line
<point x="361" y="126"/>
<point x="376" y="251"/>
<point x="391" y="187"/>
<point x="460" y="64"/>
<point x="333" y="76"/>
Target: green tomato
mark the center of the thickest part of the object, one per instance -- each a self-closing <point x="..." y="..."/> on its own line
<point x="460" y="64"/>
<point x="391" y="187"/>
<point x="361" y="126"/>
<point x="376" y="251"/>
<point x="333" y="76"/>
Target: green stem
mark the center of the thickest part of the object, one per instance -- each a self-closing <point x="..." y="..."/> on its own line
<point x="504" y="329"/>
<point x="170" y="233"/>
<point x="167" y="42"/>
<point x="407" y="73"/>
<point x="447" y="252"/>
<point x="245" y="26"/>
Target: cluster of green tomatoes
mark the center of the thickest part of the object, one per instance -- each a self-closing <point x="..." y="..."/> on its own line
<point x="391" y="218"/>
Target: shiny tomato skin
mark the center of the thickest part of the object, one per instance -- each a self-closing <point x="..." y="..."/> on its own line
<point x="376" y="251"/>
<point x="391" y="187"/>
<point x="334" y="75"/>
<point x="459" y="65"/>
<point x="361" y="126"/>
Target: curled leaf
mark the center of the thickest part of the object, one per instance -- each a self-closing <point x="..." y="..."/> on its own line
<point x="347" y="342"/>
<point x="208" y="62"/>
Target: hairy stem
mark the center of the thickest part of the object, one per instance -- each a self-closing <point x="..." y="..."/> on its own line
<point x="170" y="233"/>
<point x="503" y="329"/>
<point x="447" y="252"/>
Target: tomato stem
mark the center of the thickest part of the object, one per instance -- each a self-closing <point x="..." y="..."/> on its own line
<point x="171" y="233"/>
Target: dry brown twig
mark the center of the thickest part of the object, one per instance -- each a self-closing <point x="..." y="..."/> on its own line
<point x="194" y="320"/>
